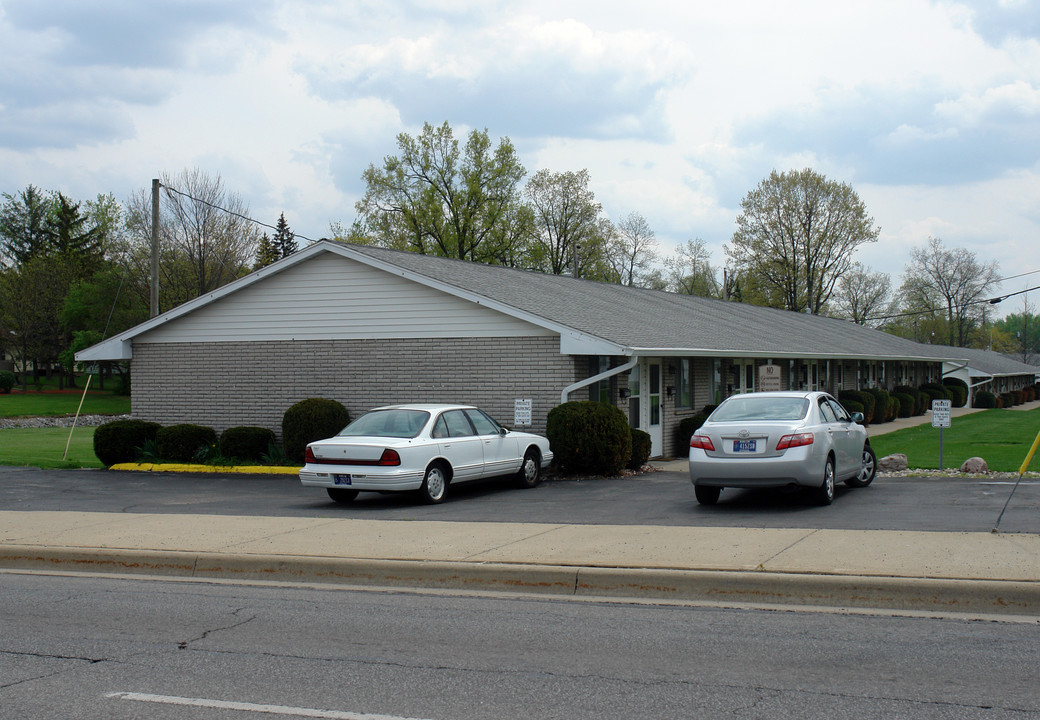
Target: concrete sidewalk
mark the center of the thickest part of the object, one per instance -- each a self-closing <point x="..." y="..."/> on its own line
<point x="974" y="573"/>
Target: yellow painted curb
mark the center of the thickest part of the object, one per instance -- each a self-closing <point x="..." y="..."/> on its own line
<point x="184" y="467"/>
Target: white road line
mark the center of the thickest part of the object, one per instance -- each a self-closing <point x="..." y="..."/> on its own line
<point x="251" y="707"/>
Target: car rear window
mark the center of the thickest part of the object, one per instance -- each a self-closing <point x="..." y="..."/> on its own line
<point x="749" y="407"/>
<point x="388" y="423"/>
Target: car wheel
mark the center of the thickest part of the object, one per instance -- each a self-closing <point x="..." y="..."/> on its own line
<point x="434" y="484"/>
<point x="530" y="470"/>
<point x="707" y="495"/>
<point x="342" y="496"/>
<point x="867" y="470"/>
<point x="825" y="493"/>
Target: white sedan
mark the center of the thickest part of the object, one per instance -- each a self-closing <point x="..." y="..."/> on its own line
<point x="422" y="447"/>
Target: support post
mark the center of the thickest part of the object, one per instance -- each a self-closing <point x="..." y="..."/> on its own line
<point x="154" y="306"/>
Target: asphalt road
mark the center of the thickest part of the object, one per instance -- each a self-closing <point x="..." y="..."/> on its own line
<point x="81" y="647"/>
<point x="657" y="498"/>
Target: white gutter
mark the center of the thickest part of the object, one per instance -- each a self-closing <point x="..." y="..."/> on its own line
<point x="596" y="378"/>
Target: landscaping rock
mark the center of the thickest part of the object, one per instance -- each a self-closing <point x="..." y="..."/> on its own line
<point x="974" y="465"/>
<point x="893" y="463"/>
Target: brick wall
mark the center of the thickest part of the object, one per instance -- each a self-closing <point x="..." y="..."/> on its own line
<point x="252" y="383"/>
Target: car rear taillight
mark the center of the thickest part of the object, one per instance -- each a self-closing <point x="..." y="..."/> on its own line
<point x="308" y="455"/>
<point x="390" y="457"/>
<point x="702" y="442"/>
<point x="797" y="440"/>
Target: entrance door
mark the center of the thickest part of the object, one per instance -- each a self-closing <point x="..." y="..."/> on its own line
<point x="653" y="406"/>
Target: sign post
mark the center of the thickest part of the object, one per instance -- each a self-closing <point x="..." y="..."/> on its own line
<point x="941" y="419"/>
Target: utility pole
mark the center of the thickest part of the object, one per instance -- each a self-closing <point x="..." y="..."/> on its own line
<point x="154" y="308"/>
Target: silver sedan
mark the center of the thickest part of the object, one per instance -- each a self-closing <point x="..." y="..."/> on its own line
<point x="778" y="439"/>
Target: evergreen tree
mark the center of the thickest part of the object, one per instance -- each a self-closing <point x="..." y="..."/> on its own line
<point x="284" y="239"/>
<point x="23" y="220"/>
<point x="266" y="253"/>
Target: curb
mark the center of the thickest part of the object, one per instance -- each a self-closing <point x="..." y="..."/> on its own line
<point x="192" y="468"/>
<point x="988" y="597"/>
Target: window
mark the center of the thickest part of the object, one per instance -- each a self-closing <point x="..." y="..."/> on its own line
<point x="684" y="384"/>
<point x="456" y="423"/>
<point x="483" y="424"/>
<point x="599" y="391"/>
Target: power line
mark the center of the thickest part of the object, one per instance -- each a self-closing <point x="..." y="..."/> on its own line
<point x="229" y="212"/>
<point x="989" y="301"/>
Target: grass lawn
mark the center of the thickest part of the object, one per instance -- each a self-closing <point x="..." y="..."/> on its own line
<point x="43" y="447"/>
<point x="1000" y="437"/>
<point x="50" y="404"/>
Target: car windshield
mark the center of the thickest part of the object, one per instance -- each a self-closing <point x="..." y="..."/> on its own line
<point x="388" y="423"/>
<point x="749" y="407"/>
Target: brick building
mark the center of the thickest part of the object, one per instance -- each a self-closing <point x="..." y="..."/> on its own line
<point x="369" y="326"/>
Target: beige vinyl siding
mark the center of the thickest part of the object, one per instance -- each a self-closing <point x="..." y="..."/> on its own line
<point x="331" y="297"/>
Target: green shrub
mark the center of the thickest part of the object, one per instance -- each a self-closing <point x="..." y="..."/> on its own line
<point x="246" y="442"/>
<point x="959" y="388"/>
<point x="882" y="405"/>
<point x="865" y="399"/>
<point x="588" y="436"/>
<point x="7" y="381"/>
<point x="120" y="441"/>
<point x="181" y="443"/>
<point x="309" y="420"/>
<point x="985" y="399"/>
<point x="853" y="406"/>
<point x="937" y="391"/>
<point x="641" y="447"/>
<point x="907" y="404"/>
<point x="1006" y="400"/>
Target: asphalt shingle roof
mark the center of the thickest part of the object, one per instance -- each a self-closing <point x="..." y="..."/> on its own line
<point x="651" y="319"/>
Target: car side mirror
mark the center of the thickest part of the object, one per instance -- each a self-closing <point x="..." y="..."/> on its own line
<point x="503" y="431"/>
<point x="857" y="417"/>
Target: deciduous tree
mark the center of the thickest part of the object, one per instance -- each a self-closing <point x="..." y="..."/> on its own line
<point x="797" y="232"/>
<point x="862" y="296"/>
<point x="436" y="198"/>
<point x="566" y="219"/>
<point x="632" y="251"/>
<point x="949" y="284"/>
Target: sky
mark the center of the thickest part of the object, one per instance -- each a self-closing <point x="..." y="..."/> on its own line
<point x="930" y="110"/>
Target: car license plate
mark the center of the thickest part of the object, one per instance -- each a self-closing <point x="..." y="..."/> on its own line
<point x="744" y="445"/>
<point x="341" y="479"/>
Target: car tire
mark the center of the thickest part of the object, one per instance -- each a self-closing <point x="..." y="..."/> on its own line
<point x="434" y="485"/>
<point x="824" y="495"/>
<point x="530" y="474"/>
<point x="867" y="471"/>
<point x="707" y="495"/>
<point x="341" y="495"/>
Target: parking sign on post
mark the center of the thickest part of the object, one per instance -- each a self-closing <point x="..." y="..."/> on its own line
<point x="941" y="413"/>
<point x="941" y="419"/>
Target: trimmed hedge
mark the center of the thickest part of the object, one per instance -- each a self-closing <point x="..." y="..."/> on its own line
<point x="120" y="440"/>
<point x="246" y="442"/>
<point x="309" y="420"/>
<point x="642" y="444"/>
<point x="959" y="388"/>
<point x="907" y="404"/>
<point x="7" y="381"/>
<point x="866" y="401"/>
<point x="180" y="443"/>
<point x="588" y="436"/>
<point x="882" y="405"/>
<point x="985" y="399"/>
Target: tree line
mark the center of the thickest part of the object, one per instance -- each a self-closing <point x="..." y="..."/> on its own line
<point x="74" y="272"/>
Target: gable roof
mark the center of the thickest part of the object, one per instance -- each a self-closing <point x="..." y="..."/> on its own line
<point x="593" y="317"/>
<point x="985" y="362"/>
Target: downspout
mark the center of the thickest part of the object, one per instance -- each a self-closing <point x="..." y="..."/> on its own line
<point x="596" y="378"/>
